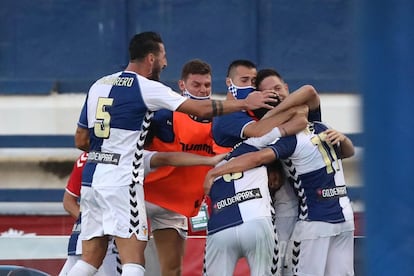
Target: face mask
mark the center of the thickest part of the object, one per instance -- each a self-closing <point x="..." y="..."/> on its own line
<point x="240" y="92"/>
<point x="187" y="94"/>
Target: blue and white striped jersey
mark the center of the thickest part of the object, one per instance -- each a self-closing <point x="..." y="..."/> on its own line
<point x="316" y="172"/>
<point x="239" y="197"/>
<point x="117" y="112"/>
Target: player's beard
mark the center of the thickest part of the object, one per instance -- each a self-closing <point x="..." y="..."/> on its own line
<point x="156" y="71"/>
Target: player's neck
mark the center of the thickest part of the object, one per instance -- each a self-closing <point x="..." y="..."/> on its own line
<point x="139" y="68"/>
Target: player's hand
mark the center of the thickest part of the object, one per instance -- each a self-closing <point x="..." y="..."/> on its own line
<point x="217" y="158"/>
<point x="208" y="182"/>
<point x="333" y="136"/>
<point x="259" y="99"/>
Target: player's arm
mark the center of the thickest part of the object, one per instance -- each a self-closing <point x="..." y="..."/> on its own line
<point x="305" y="95"/>
<point x="178" y="159"/>
<point x="212" y="108"/>
<point x="334" y="137"/>
<point x="82" y="138"/>
<point x="239" y="164"/>
<point x="71" y="205"/>
<point x="289" y="122"/>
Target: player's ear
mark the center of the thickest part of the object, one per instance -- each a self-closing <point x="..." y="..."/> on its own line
<point x="150" y="58"/>
<point x="228" y="81"/>
<point x="181" y="85"/>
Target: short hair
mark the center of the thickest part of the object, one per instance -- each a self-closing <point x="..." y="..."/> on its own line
<point x="239" y="62"/>
<point x="277" y="167"/>
<point x="264" y="73"/>
<point x="143" y="44"/>
<point x="195" y="66"/>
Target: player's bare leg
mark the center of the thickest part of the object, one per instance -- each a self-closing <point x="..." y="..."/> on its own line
<point x="94" y="250"/>
<point x="93" y="253"/>
<point x="165" y="241"/>
<point x="131" y="252"/>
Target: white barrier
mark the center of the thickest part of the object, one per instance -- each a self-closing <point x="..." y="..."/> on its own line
<point x="33" y="247"/>
<point x="61" y="112"/>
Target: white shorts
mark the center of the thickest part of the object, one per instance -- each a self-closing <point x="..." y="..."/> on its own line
<point x="116" y="211"/>
<point x="255" y="240"/>
<point x="161" y="218"/>
<point x="324" y="256"/>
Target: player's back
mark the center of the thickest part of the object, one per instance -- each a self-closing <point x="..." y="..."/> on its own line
<point x="118" y="112"/>
<point x="317" y="174"/>
<point x="239" y="197"/>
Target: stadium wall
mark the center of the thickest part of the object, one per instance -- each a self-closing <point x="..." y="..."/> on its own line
<point x="62" y="46"/>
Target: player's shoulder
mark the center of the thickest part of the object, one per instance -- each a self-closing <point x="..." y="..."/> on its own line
<point x="318" y="126"/>
<point x="107" y="79"/>
<point x="290" y="141"/>
<point x="237" y="114"/>
<point x="162" y="114"/>
<point x="147" y="83"/>
<point x="231" y="119"/>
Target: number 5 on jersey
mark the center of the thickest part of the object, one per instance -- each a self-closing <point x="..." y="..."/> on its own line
<point x="103" y="118"/>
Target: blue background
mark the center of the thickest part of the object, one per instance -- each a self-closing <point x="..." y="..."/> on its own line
<point x="65" y="45"/>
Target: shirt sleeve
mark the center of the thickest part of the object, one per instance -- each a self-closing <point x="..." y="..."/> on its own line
<point x="147" y="161"/>
<point x="162" y="125"/>
<point x="284" y="147"/>
<point x="158" y="96"/>
<point x="74" y="183"/>
<point x="228" y="129"/>
<point x="83" y="118"/>
<point x="315" y="115"/>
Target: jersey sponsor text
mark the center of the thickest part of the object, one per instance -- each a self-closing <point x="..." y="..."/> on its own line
<point x="104" y="157"/>
<point x="238" y="198"/>
<point x="332" y="192"/>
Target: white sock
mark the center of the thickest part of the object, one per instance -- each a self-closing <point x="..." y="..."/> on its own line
<point x="132" y="270"/>
<point x="82" y="268"/>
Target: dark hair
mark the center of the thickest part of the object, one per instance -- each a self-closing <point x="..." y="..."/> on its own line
<point x="195" y="66"/>
<point x="143" y="44"/>
<point x="261" y="75"/>
<point x="264" y="73"/>
<point x="239" y="62"/>
<point x="277" y="167"/>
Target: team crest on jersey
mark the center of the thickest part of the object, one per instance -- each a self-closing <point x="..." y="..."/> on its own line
<point x="144" y="230"/>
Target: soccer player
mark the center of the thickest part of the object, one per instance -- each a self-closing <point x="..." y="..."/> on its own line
<point x="71" y="205"/>
<point x="233" y="128"/>
<point x="285" y="199"/>
<point x="240" y="223"/>
<point x="174" y="193"/>
<point x="228" y="130"/>
<point x="324" y="232"/>
<point x="112" y="127"/>
<point x="152" y="161"/>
